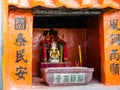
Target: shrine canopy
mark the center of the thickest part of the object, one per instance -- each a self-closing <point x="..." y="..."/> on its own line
<point x="74" y="4"/>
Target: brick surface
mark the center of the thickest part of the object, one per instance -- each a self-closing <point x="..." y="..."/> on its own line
<point x="47" y="65"/>
<point x="1" y="48"/>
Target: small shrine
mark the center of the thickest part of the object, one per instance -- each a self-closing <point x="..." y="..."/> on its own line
<point x="54" y="49"/>
<point x="59" y="43"/>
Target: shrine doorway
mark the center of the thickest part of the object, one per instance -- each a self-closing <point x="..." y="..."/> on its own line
<point x="76" y="30"/>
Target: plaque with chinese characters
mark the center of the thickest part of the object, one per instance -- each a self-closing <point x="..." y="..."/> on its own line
<point x="60" y="78"/>
<point x="20" y="23"/>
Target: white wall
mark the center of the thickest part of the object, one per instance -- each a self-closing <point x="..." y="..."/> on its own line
<point x="1" y="48"/>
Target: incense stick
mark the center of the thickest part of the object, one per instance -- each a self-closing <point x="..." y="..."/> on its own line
<point x="80" y="56"/>
<point x="61" y="54"/>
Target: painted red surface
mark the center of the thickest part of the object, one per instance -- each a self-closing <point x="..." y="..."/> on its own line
<point x="72" y="36"/>
<point x="93" y="46"/>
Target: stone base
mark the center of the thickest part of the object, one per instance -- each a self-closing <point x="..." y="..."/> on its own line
<point x="54" y="60"/>
<point x="61" y="76"/>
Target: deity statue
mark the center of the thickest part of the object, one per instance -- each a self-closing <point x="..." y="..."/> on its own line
<point x="54" y="53"/>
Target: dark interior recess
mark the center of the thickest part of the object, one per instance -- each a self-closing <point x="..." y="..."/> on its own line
<point x="60" y="22"/>
<point x="59" y="17"/>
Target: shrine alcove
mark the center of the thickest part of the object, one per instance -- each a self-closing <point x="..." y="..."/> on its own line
<point x="76" y="30"/>
<point x="82" y="27"/>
